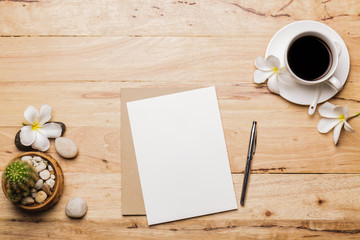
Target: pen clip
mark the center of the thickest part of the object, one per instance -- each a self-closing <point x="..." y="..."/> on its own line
<point x="255" y="141"/>
<point x="254" y="135"/>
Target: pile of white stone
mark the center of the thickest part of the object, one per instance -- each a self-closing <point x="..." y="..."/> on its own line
<point x="44" y="186"/>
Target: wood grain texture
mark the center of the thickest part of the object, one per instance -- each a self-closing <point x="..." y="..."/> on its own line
<point x="77" y="56"/>
<point x="170" y="18"/>
<point x="100" y="155"/>
<point x="329" y="206"/>
<point x="90" y="104"/>
<point x="158" y="60"/>
<point x="91" y="111"/>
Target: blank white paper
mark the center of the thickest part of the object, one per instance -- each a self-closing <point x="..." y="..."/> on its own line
<point x="181" y="155"/>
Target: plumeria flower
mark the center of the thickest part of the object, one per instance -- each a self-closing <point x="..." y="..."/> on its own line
<point x="334" y="117"/>
<point x="270" y="69"/>
<point x="37" y="132"/>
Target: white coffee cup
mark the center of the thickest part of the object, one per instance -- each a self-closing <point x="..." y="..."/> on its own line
<point x="328" y="78"/>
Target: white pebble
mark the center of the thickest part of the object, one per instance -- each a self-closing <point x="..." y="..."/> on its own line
<point x="35" y="163"/>
<point x="34" y="195"/>
<point x="76" y="208"/>
<point x="45" y="175"/>
<point x="27" y="159"/>
<point x="40" y="167"/>
<point x="52" y="176"/>
<point x="46" y="189"/>
<point x="32" y="190"/>
<point x="50" y="168"/>
<point x="50" y="182"/>
<point x="37" y="158"/>
<point x="27" y="201"/>
<point x="66" y="147"/>
<point x="40" y="197"/>
<point x="39" y="184"/>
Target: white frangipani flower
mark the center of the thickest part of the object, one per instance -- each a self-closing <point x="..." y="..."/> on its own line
<point x="37" y="132"/>
<point x="334" y="117"/>
<point x="270" y="69"/>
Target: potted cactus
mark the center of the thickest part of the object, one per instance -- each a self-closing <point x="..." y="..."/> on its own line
<point x="19" y="177"/>
<point x="33" y="181"/>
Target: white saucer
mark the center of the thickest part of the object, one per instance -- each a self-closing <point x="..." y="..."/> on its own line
<point x="296" y="92"/>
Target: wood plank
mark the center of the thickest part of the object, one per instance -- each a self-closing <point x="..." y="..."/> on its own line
<point x="128" y="59"/>
<point x="235" y="18"/>
<point x="77" y="104"/>
<point x="99" y="149"/>
<point x="141" y="59"/>
<point x="324" y="207"/>
<point x="288" y="139"/>
<point x="171" y="18"/>
<point x="40" y="17"/>
<point x="90" y="110"/>
<point x="120" y="230"/>
<point x="287" y="152"/>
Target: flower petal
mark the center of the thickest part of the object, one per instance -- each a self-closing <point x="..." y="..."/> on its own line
<point x="261" y="76"/>
<point x="337" y="131"/>
<point x="262" y="64"/>
<point x="31" y="114"/>
<point x="273" y="84"/>
<point x="27" y="136"/>
<point x="326" y="124"/>
<point x="273" y="61"/>
<point x="41" y="142"/>
<point x="327" y="110"/>
<point x="339" y="110"/>
<point x="348" y="128"/>
<point x="284" y="76"/>
<point x="45" y="114"/>
<point x="51" y="130"/>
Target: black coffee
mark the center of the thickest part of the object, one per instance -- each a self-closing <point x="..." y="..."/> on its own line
<point x="309" y="58"/>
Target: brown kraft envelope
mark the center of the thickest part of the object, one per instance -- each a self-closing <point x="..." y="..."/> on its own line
<point x="132" y="202"/>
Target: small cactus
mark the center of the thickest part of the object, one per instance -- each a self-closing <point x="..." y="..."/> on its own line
<point x="19" y="177"/>
<point x="14" y="196"/>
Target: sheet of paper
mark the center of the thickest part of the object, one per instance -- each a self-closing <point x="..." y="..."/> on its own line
<point x="132" y="202"/>
<point x="181" y="155"/>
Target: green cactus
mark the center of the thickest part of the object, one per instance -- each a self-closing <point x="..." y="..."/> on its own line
<point x="13" y="196"/>
<point x="19" y="177"/>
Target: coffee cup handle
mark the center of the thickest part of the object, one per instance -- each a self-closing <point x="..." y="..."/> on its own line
<point x="334" y="83"/>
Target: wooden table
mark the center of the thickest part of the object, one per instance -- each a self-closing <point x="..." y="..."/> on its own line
<point x="77" y="56"/>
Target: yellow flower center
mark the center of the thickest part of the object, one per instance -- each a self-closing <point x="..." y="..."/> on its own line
<point x="35" y="126"/>
<point x="342" y="117"/>
<point x="275" y="69"/>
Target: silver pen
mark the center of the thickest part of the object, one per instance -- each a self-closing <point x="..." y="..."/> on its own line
<point x="251" y="152"/>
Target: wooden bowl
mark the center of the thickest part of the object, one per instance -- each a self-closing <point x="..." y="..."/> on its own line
<point x="57" y="190"/>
